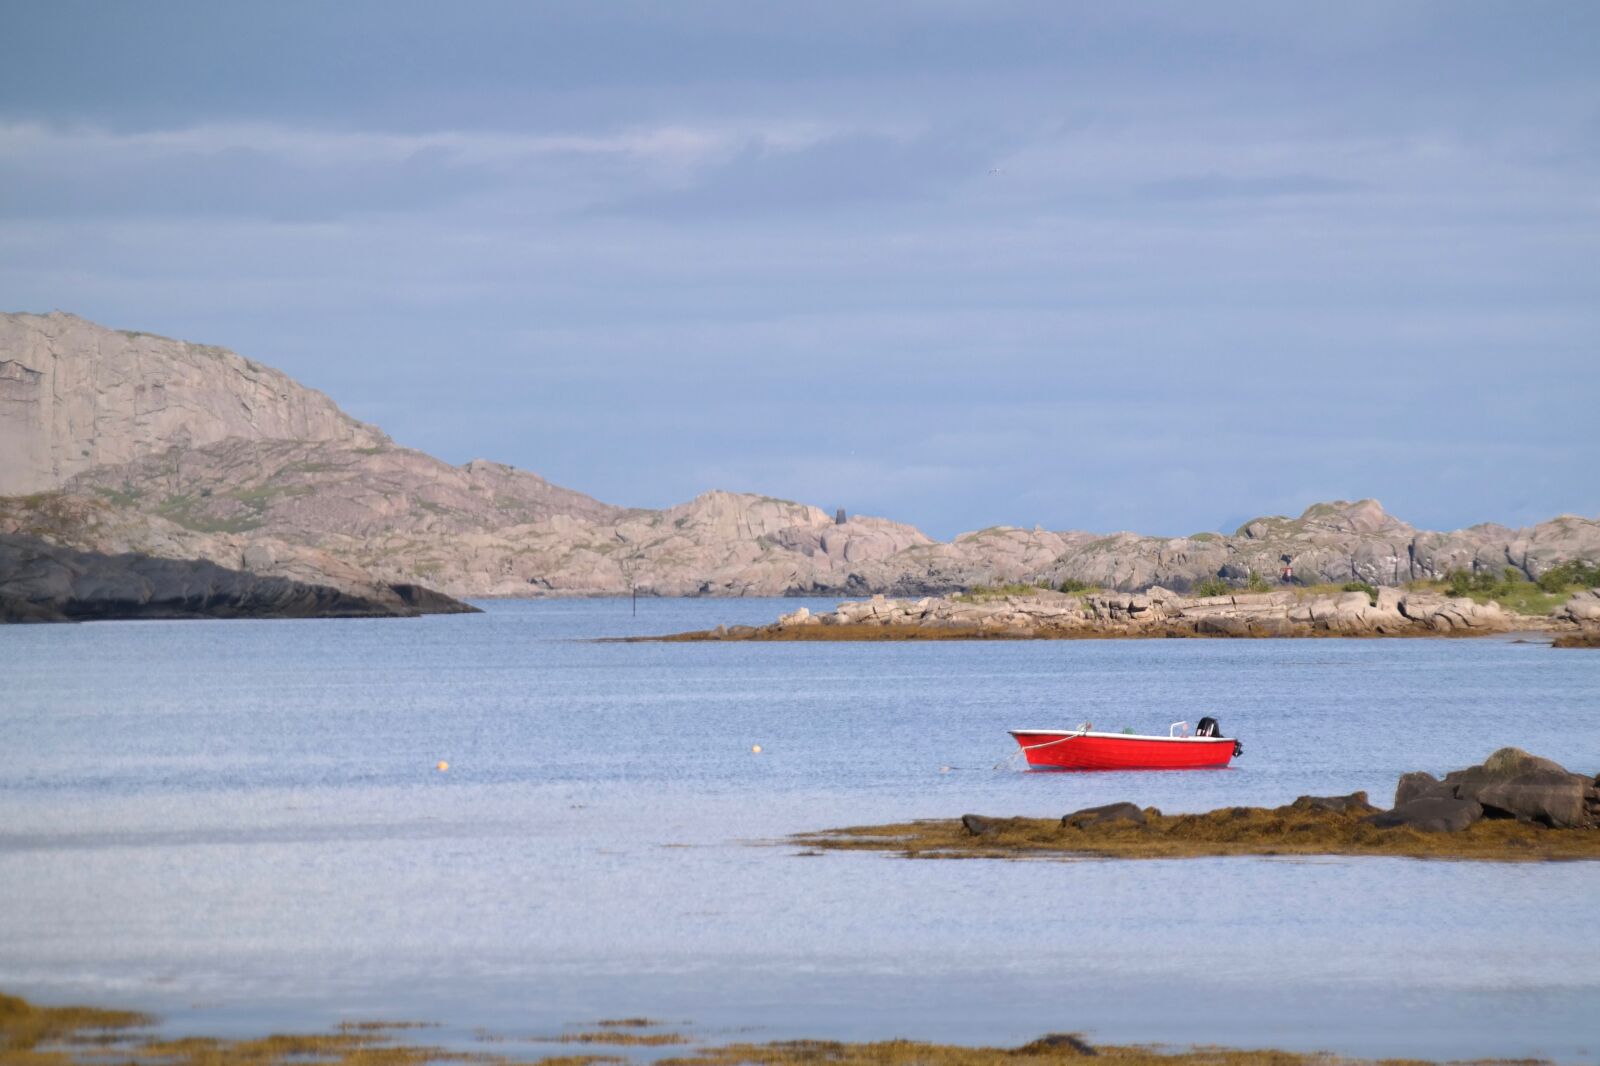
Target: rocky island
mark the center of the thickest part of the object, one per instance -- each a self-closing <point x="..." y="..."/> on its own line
<point x="1514" y="807"/>
<point x="1044" y="614"/>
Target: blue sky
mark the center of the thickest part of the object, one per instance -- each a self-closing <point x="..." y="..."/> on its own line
<point x="1149" y="266"/>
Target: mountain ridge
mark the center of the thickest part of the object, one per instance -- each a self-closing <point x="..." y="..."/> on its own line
<point x="216" y="453"/>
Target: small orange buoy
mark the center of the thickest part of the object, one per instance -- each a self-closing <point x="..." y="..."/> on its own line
<point x="755" y="749"/>
<point x="442" y="766"/>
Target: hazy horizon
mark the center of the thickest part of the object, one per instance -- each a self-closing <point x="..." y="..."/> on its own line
<point x="1150" y="268"/>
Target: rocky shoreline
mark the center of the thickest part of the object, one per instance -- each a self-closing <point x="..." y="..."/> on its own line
<point x="1514" y="807"/>
<point x="35" y="1035"/>
<point x="1046" y="615"/>
<point x="44" y="582"/>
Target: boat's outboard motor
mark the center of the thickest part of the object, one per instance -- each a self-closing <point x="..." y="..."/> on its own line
<point x="1208" y="728"/>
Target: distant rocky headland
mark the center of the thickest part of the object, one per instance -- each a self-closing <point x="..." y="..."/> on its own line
<point x="43" y="582"/>
<point x="117" y="442"/>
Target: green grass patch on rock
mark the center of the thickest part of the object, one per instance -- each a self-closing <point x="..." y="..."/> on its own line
<point x="1512" y="590"/>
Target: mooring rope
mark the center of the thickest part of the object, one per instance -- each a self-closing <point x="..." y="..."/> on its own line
<point x="1010" y="760"/>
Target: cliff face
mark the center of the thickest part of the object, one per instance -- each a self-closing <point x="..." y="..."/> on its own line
<point x="186" y="451"/>
<point x="74" y="395"/>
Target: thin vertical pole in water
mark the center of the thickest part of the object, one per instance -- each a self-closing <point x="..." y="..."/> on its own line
<point x="635" y="600"/>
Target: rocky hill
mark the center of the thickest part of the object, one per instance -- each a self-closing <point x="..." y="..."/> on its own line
<point x="145" y="444"/>
<point x="1331" y="542"/>
<point x="74" y="396"/>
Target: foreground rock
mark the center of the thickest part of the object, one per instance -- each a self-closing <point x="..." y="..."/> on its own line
<point x="1431" y="814"/>
<point x="1044" y="615"/>
<point x="1510" y="784"/>
<point x="1103" y="815"/>
<point x="1514" y="807"/>
<point x="42" y="582"/>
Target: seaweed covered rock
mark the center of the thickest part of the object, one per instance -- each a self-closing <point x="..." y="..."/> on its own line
<point x="1110" y="812"/>
<point x="1355" y="802"/>
<point x="978" y="825"/>
<point x="1057" y="1045"/>
<point x="1431" y="814"/>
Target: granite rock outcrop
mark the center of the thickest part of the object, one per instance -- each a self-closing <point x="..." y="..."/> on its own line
<point x="1508" y="784"/>
<point x="75" y="395"/>
<point x="1043" y="614"/>
<point x="1334" y="542"/>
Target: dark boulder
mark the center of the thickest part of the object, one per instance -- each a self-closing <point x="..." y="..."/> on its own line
<point x="1416" y="785"/>
<point x="978" y="825"/>
<point x="1513" y="784"/>
<point x="1552" y="799"/>
<point x="1430" y="814"/>
<point x="1110" y="812"/>
<point x="1509" y="762"/>
<point x="1355" y="802"/>
<point x="1057" y="1045"/>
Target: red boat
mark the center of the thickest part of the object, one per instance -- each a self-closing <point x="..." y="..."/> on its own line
<point x="1085" y="749"/>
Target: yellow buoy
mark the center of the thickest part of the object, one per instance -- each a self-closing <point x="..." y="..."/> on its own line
<point x="442" y="766"/>
<point x="755" y="749"/>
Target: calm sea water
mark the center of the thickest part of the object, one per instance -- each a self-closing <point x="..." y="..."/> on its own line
<point x="239" y="825"/>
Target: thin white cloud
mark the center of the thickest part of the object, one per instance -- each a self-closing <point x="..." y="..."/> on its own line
<point x="667" y="142"/>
